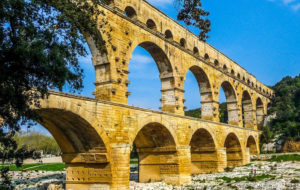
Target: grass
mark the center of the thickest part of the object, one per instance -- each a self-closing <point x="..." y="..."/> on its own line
<point x="295" y="181"/>
<point x="38" y="167"/>
<point x="285" y="158"/>
<point x="246" y="178"/>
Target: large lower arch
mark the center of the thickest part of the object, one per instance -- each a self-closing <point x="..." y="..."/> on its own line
<point x="205" y="92"/>
<point x="233" y="150"/>
<point x="259" y="113"/>
<point x="165" y="73"/>
<point x="231" y="101"/>
<point x="203" y="153"/>
<point x="247" y="110"/>
<point x="156" y="150"/>
<point x="83" y="150"/>
<point x="252" y="145"/>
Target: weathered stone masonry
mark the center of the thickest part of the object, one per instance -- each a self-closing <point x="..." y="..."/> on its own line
<point x="96" y="136"/>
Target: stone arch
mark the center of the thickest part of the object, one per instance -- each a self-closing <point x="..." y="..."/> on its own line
<point x="247" y="110"/>
<point x="168" y="35"/>
<point x="130" y="12"/>
<point x="231" y="102"/>
<point x="206" y="57"/>
<point x="203" y="152"/>
<point x="252" y="145"/>
<point x="225" y="69"/>
<point x="196" y="51"/>
<point x="216" y="62"/>
<point x="259" y="113"/>
<point x="232" y="72"/>
<point x="151" y="24"/>
<point x="205" y="92"/>
<point x="182" y="42"/>
<point x="156" y="150"/>
<point x="233" y="150"/>
<point x="78" y="141"/>
<point x="166" y="74"/>
<point x="72" y="132"/>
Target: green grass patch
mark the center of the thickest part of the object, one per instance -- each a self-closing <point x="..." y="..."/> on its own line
<point x="246" y="178"/>
<point x="39" y="167"/>
<point x="134" y="161"/>
<point x="285" y="158"/>
<point x="295" y="181"/>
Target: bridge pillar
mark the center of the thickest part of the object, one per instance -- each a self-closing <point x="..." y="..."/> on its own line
<point x="120" y="161"/>
<point x="184" y="161"/>
<point x="246" y="156"/>
<point x="172" y="99"/>
<point x="248" y="114"/>
<point x="259" y="116"/>
<point x="86" y="171"/>
<point x="233" y="113"/>
<point x="221" y="159"/>
<point x="209" y="110"/>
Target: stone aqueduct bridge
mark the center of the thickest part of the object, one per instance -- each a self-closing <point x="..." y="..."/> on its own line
<point x="97" y="135"/>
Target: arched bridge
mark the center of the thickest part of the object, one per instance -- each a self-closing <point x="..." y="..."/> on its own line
<point x="97" y="135"/>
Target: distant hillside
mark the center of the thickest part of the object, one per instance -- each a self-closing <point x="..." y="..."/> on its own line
<point x="197" y="113"/>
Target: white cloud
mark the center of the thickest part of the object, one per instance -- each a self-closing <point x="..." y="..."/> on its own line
<point x="288" y="1"/>
<point x="296" y="7"/>
<point x="292" y="4"/>
<point x="139" y="61"/>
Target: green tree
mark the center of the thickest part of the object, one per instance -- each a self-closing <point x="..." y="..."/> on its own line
<point x="192" y="13"/>
<point x="40" y="41"/>
<point x="286" y="106"/>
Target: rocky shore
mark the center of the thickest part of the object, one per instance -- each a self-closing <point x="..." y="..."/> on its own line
<point x="269" y="176"/>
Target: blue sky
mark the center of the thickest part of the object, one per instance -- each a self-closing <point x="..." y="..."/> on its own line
<point x="263" y="36"/>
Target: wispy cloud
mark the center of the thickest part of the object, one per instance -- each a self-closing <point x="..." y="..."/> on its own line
<point x="296" y="7"/>
<point x="292" y="4"/>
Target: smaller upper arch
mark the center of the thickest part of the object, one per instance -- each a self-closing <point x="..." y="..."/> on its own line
<point x="206" y="57"/>
<point x="151" y="24"/>
<point x="183" y="42"/>
<point x="225" y="68"/>
<point x="130" y="12"/>
<point x="216" y="62"/>
<point x="168" y="35"/>
<point x="196" y="51"/>
<point x="232" y="72"/>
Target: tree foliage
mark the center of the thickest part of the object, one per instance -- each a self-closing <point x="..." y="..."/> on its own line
<point x="40" y="41"/>
<point x="34" y="140"/>
<point x="197" y="113"/>
<point x="286" y="106"/>
<point x="192" y="13"/>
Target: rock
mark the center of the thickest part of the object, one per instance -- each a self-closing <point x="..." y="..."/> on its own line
<point x="291" y="146"/>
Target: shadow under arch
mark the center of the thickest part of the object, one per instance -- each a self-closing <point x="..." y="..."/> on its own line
<point x="251" y="144"/>
<point x="247" y="110"/>
<point x="233" y="150"/>
<point x="156" y="149"/>
<point x="205" y="92"/>
<point x="203" y="152"/>
<point x="72" y="133"/>
<point x="231" y="102"/>
<point x="83" y="150"/>
<point x="166" y="74"/>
